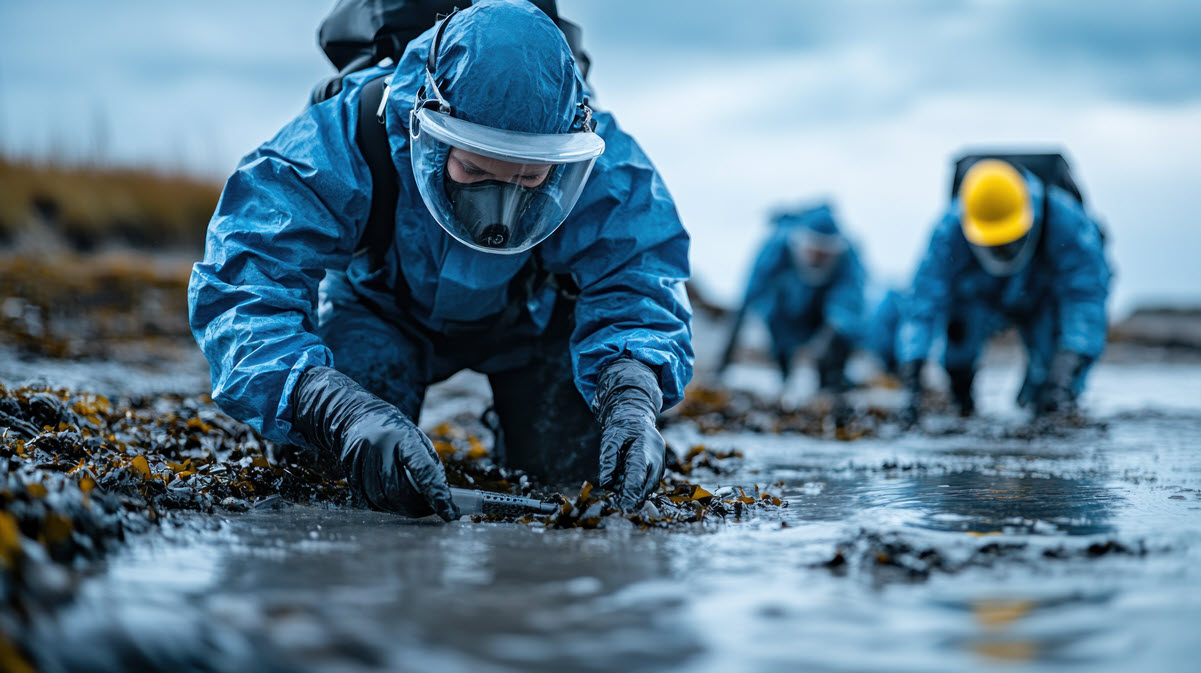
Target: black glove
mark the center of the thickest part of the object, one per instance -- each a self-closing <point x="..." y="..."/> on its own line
<point x="911" y="380"/>
<point x="1056" y="394"/>
<point x="631" y="455"/>
<point x="375" y="442"/>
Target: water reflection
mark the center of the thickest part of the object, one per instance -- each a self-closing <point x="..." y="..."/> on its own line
<point x="1047" y="628"/>
<point x="313" y="590"/>
<point x="495" y="596"/>
<point x="984" y="502"/>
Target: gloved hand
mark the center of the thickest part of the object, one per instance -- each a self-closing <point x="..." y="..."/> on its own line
<point x="375" y="442"/>
<point x="911" y="381"/>
<point x="631" y="455"/>
<point x="1056" y="395"/>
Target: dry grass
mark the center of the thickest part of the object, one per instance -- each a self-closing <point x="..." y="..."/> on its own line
<point x="88" y="205"/>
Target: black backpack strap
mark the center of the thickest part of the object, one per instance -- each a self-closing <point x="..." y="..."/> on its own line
<point x="373" y="144"/>
<point x="564" y="283"/>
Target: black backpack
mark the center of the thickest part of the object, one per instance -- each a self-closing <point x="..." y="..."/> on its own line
<point x="1051" y="167"/>
<point x="358" y="34"/>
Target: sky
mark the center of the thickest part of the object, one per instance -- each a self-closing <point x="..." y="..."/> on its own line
<point x="743" y="106"/>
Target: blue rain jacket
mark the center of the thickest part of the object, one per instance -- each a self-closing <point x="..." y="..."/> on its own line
<point x="298" y="205"/>
<point x="1057" y="299"/>
<point x="792" y="309"/>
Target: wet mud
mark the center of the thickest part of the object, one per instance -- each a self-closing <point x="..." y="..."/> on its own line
<point x="80" y="473"/>
<point x="117" y="306"/>
<point x="141" y="529"/>
<point x="880" y="559"/>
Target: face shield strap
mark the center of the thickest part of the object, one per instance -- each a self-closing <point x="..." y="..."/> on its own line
<point x="583" y="120"/>
<point x="431" y="64"/>
<point x="422" y="102"/>
<point x="442" y="106"/>
<point x="431" y="59"/>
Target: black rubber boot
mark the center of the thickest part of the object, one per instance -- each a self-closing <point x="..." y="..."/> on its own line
<point x="961" y="390"/>
<point x="546" y="429"/>
<point x="830" y="352"/>
<point x="783" y="364"/>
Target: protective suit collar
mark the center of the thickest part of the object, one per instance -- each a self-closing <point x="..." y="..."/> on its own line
<point x="1009" y="259"/>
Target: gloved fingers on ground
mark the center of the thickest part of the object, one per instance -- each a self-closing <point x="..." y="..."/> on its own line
<point x="1057" y="395"/>
<point x="632" y="452"/>
<point x="388" y="461"/>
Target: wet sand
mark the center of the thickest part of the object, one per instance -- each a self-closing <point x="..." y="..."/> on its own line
<point x="971" y="545"/>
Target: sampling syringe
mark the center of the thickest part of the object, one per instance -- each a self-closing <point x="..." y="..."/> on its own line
<point x="471" y="502"/>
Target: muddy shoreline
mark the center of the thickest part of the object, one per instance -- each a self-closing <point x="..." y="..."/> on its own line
<point x="1018" y="501"/>
<point x="141" y="528"/>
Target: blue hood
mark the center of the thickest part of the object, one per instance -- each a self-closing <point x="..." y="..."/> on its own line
<point x="819" y="218"/>
<point x="475" y="69"/>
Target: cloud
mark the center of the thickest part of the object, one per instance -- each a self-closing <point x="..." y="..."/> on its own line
<point x="1105" y="49"/>
<point x="889" y="176"/>
<point x="741" y="109"/>
<point x="195" y="84"/>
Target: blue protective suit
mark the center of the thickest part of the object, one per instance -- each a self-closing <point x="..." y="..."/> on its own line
<point x="1057" y="301"/>
<point x="880" y="335"/>
<point x="298" y="206"/>
<point x="793" y="309"/>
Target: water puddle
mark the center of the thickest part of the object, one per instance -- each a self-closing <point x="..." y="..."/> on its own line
<point x="943" y="552"/>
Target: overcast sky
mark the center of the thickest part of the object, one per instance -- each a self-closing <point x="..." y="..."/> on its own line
<point x="860" y="101"/>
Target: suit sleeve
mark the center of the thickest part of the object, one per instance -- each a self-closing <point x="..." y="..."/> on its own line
<point x="930" y="293"/>
<point x="844" y="304"/>
<point x="628" y="251"/>
<point x="1082" y="275"/>
<point x="293" y="208"/>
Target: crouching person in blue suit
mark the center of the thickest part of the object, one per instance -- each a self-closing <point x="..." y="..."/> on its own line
<point x="1009" y="251"/>
<point x="807" y="284"/>
<point x="533" y="241"/>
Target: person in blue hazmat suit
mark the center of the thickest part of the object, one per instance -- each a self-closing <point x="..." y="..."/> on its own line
<point x="807" y="284"/>
<point x="1009" y="251"/>
<point x="507" y="182"/>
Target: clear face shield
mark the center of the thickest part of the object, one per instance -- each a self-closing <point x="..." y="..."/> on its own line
<point x="815" y="254"/>
<point x="495" y="190"/>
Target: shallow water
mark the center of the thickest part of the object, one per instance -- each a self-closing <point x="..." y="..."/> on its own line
<point x="961" y="549"/>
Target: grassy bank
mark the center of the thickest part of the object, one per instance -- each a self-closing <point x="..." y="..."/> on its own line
<point x="87" y="205"/>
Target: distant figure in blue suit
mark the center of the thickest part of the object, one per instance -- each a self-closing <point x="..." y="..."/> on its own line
<point x="808" y="285"/>
<point x="1011" y="250"/>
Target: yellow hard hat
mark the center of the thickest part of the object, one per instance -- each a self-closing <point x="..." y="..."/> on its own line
<point x="995" y="204"/>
